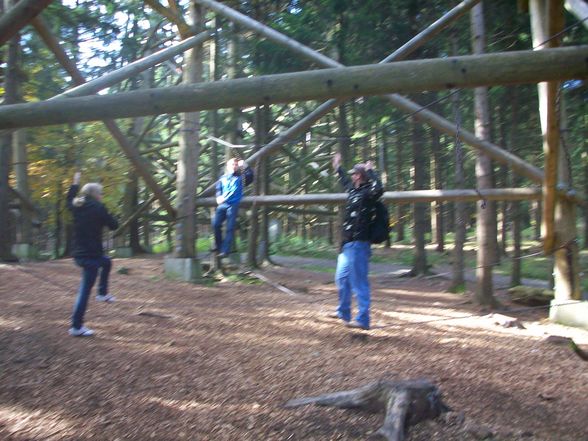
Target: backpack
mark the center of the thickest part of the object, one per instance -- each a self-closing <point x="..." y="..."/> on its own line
<point x="379" y="229"/>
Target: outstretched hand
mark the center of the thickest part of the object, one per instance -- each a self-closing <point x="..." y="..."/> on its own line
<point x="336" y="160"/>
<point x="76" y="178"/>
<point x="369" y="165"/>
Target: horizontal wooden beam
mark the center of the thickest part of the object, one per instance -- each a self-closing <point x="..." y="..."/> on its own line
<point x="407" y="76"/>
<point x="403" y="197"/>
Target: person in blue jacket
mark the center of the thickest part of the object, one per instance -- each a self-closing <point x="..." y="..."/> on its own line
<point x="89" y="217"/>
<point x="363" y="187"/>
<point x="229" y="191"/>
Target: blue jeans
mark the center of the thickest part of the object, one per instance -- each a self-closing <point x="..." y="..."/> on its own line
<point x="229" y="213"/>
<point x="90" y="267"/>
<point x="352" y="277"/>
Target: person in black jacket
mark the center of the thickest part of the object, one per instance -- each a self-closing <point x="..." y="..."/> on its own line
<point x="364" y="189"/>
<point x="90" y="217"/>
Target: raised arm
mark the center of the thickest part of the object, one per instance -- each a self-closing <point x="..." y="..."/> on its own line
<point x="73" y="189"/>
<point x="343" y="178"/>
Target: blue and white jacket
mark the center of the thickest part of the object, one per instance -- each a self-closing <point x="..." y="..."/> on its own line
<point x="230" y="186"/>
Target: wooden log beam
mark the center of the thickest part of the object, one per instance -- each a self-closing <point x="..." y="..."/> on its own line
<point x="579" y="8"/>
<point x="433" y="74"/>
<point x="403" y="197"/>
<point x="136" y="67"/>
<point x="19" y="16"/>
<point x="132" y="153"/>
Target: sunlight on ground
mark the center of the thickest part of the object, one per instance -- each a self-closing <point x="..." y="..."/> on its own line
<point x="28" y="423"/>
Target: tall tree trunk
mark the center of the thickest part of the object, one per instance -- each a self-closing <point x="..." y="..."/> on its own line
<point x="400" y="186"/>
<point x="384" y="167"/>
<point x="585" y="159"/>
<point x="460" y="223"/>
<point x="420" y="209"/>
<point x="486" y="215"/>
<point x="516" y="210"/>
<point x="265" y="185"/>
<point x="187" y="171"/>
<point x="10" y="97"/>
<point x="254" y="227"/>
<point x="437" y="224"/>
<point x="58" y="220"/>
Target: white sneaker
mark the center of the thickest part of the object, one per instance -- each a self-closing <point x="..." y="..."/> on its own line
<point x="105" y="298"/>
<point x="81" y="332"/>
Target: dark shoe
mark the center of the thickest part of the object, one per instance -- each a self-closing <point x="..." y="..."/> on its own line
<point x="222" y="255"/>
<point x="354" y="324"/>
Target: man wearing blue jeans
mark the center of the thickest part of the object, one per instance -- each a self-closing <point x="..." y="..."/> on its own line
<point x="229" y="191"/>
<point x="364" y="189"/>
<point x="90" y="217"/>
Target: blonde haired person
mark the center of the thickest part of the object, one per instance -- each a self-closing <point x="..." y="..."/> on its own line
<point x="90" y="217"/>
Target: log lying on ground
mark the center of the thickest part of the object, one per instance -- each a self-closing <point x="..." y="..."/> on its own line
<point x="405" y="403"/>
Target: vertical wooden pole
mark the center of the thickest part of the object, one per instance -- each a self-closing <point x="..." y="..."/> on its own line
<point x="559" y="229"/>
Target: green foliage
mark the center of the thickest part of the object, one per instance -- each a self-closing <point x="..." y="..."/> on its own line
<point x="294" y="245"/>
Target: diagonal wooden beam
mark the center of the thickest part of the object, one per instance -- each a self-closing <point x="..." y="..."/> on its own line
<point x="134" y="68"/>
<point x="19" y="16"/>
<point x="132" y="153"/>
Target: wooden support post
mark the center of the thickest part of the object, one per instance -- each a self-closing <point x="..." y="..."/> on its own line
<point x="559" y="221"/>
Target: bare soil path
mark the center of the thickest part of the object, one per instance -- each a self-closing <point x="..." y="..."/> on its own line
<point x="175" y="361"/>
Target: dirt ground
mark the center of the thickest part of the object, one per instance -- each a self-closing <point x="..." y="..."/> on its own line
<point x="174" y="361"/>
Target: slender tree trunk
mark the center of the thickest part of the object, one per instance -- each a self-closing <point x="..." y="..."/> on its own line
<point x="254" y="227"/>
<point x="10" y="97"/>
<point x="187" y="171"/>
<point x="384" y="167"/>
<point x="486" y="214"/>
<point x="266" y="179"/>
<point x="585" y="159"/>
<point x="58" y="220"/>
<point x="420" y="210"/>
<point x="437" y="224"/>
<point x="400" y="208"/>
<point x="460" y="223"/>
<point x="516" y="211"/>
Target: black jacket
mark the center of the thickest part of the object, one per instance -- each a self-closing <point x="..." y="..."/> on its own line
<point x="89" y="220"/>
<point x="358" y="208"/>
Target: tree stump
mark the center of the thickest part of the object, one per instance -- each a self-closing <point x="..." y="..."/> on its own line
<point x="405" y="403"/>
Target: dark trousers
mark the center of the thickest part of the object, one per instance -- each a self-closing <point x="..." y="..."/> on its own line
<point x="90" y="267"/>
<point x="229" y="213"/>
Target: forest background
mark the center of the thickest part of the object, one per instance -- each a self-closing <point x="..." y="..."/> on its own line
<point x="102" y="36"/>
